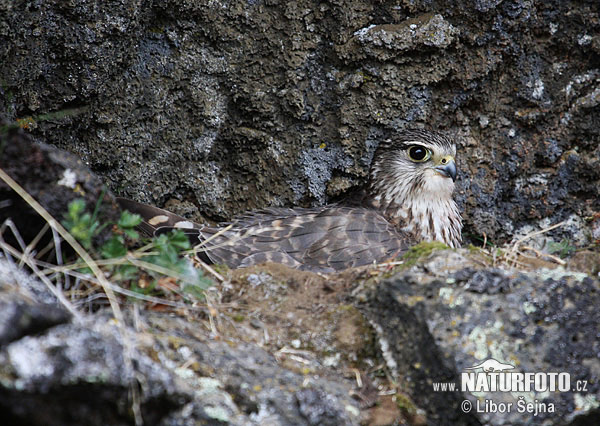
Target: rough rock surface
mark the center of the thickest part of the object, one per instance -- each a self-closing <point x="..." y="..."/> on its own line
<point x="214" y="108"/>
<point x="286" y="347"/>
<point x="26" y="305"/>
<point x="53" y="177"/>
<point x="73" y="372"/>
<point x="462" y="314"/>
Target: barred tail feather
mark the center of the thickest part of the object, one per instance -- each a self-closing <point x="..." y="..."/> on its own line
<point x="157" y="221"/>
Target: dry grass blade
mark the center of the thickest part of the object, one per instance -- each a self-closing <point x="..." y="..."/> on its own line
<point x="132" y="258"/>
<point x="202" y="243"/>
<point x="209" y="269"/>
<point x="36" y="240"/>
<point x="135" y="295"/>
<point x="213" y="316"/>
<point x="54" y="224"/>
<point x="510" y="257"/>
<point x="156" y="268"/>
<point x="28" y="260"/>
<point x="540" y="254"/>
<point x="533" y="234"/>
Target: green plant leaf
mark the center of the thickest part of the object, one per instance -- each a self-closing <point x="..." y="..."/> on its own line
<point x="81" y="225"/>
<point x="562" y="249"/>
<point x="129" y="220"/>
<point x="125" y="272"/>
<point x="115" y="247"/>
<point x="134" y="235"/>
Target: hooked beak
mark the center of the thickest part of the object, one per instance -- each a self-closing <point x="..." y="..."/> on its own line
<point x="447" y="167"/>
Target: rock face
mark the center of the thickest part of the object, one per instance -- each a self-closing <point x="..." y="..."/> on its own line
<point x="214" y="108"/>
<point x="435" y="323"/>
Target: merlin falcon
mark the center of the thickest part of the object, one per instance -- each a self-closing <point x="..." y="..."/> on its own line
<point x="407" y="199"/>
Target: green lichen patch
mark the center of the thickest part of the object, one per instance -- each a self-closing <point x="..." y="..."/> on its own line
<point x="421" y="251"/>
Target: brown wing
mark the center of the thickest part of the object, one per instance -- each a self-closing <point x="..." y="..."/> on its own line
<point x="321" y="239"/>
<point x="355" y="237"/>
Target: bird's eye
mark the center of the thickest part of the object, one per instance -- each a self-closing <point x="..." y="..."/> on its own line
<point x="419" y="153"/>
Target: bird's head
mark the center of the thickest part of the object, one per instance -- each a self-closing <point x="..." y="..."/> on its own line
<point x="413" y="166"/>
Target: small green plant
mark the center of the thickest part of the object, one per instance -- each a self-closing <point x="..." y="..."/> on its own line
<point x="116" y="247"/>
<point x="484" y="242"/>
<point x="82" y="225"/>
<point x="563" y="249"/>
<point x="160" y="260"/>
<point x="169" y="249"/>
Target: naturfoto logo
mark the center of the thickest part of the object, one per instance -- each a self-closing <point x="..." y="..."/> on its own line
<point x="496" y="376"/>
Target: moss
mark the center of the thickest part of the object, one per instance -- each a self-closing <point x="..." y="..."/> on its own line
<point x="412" y="256"/>
<point x="421" y="251"/>
<point x="473" y="249"/>
<point x="405" y="405"/>
<point x="220" y="268"/>
<point x="346" y="308"/>
<point x="365" y="77"/>
<point x="238" y="318"/>
<point x="175" y="342"/>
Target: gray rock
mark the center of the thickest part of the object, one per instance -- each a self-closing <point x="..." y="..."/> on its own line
<point x="75" y="373"/>
<point x="26" y="305"/>
<point x="264" y="392"/>
<point x="386" y="41"/>
<point x="53" y="177"/>
<point x="433" y="327"/>
<point x="58" y="370"/>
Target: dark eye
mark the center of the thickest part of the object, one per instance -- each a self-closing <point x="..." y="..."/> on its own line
<point x="419" y="153"/>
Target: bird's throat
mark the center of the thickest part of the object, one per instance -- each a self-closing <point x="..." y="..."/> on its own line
<point x="425" y="218"/>
<point x="431" y="220"/>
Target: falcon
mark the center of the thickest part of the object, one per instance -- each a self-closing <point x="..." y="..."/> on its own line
<point x="407" y="199"/>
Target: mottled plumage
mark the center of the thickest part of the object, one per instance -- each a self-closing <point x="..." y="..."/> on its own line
<point x="407" y="199"/>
